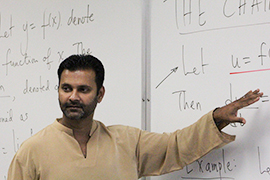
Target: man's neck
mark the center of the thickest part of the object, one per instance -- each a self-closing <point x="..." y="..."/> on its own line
<point x="80" y="126"/>
<point x="81" y="130"/>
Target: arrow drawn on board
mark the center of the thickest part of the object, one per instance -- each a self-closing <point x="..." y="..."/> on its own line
<point x="172" y="71"/>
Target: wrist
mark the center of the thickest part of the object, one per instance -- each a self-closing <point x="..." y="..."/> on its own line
<point x="220" y="123"/>
<point x="216" y="120"/>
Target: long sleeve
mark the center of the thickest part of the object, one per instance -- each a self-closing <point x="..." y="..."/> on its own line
<point x="21" y="169"/>
<point x="114" y="152"/>
<point x="162" y="153"/>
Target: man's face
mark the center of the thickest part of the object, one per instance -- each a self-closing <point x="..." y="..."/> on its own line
<point x="78" y="94"/>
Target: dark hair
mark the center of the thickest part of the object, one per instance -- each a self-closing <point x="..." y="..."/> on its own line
<point x="83" y="62"/>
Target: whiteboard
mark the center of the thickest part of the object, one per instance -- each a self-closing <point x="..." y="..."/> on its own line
<point x="204" y="54"/>
<point x="35" y="36"/>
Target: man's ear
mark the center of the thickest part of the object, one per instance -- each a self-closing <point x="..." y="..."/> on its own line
<point x="101" y="94"/>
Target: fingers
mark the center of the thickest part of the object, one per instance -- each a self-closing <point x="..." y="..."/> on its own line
<point x="228" y="114"/>
<point x="253" y="94"/>
<point x="257" y="93"/>
<point x="249" y="98"/>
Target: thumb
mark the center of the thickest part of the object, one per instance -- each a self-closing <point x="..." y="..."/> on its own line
<point x="239" y="120"/>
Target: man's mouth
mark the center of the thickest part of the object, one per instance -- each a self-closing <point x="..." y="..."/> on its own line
<point x="74" y="107"/>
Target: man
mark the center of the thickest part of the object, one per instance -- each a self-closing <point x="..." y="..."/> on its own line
<point x="78" y="147"/>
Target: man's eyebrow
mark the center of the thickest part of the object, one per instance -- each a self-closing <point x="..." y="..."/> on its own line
<point x="85" y="86"/>
<point x="79" y="86"/>
<point x="65" y="84"/>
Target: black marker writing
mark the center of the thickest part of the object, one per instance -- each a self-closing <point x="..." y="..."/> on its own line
<point x="189" y="13"/>
<point x="195" y="70"/>
<point x="80" y="20"/>
<point x="56" y="87"/>
<point x="235" y="61"/>
<point x="46" y="59"/>
<point x="172" y="71"/>
<point x="263" y="98"/>
<point x="202" y="166"/>
<point x="52" y="21"/>
<point x="81" y="49"/>
<point x="4" y="150"/>
<point x="8" y="118"/>
<point x="267" y="170"/>
<point x="61" y="58"/>
<point x="35" y="89"/>
<point x="243" y="8"/>
<point x="184" y="105"/>
<point x="16" y="145"/>
<point x="230" y="100"/>
<point x="7" y="33"/>
<point x="24" y="117"/>
<point x="264" y="53"/>
<point x="2" y="88"/>
<point x="26" y="60"/>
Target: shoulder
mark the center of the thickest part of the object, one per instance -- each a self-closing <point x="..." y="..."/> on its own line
<point x="37" y="140"/>
<point x="120" y="130"/>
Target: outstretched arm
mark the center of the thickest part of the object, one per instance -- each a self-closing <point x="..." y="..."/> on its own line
<point x="228" y="114"/>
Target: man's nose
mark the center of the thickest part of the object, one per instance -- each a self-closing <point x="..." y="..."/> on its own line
<point x="74" y="96"/>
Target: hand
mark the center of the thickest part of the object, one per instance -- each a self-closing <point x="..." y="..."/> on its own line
<point x="228" y="114"/>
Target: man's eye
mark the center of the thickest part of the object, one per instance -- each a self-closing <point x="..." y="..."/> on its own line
<point x="66" y="89"/>
<point x="84" y="90"/>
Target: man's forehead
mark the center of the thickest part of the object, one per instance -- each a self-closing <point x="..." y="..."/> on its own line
<point x="77" y="76"/>
<point x="79" y="72"/>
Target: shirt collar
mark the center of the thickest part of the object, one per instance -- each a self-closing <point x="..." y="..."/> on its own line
<point x="69" y="131"/>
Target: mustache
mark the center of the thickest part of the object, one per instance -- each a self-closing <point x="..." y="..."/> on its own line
<point x="73" y="104"/>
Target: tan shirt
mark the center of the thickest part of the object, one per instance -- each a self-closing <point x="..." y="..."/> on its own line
<point x="114" y="152"/>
